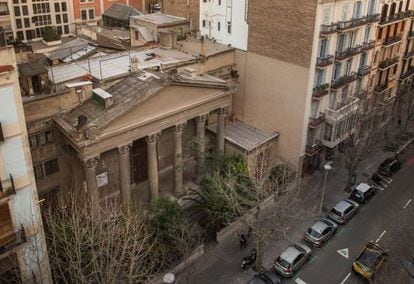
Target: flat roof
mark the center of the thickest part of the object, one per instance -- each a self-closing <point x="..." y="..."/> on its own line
<point x="160" y="19"/>
<point x="245" y="136"/>
<point x="193" y="46"/>
<point x="103" y="94"/>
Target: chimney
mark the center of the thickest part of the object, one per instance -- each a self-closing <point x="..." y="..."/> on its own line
<point x="134" y="64"/>
<point x="202" y="53"/>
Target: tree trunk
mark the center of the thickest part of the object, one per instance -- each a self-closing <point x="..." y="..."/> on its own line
<point x="259" y="256"/>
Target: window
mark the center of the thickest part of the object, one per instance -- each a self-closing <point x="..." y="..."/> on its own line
<point x="328" y="132"/>
<point x="84" y="16"/>
<point x="204" y="23"/>
<point x="16" y="11"/>
<point x="57" y="7"/>
<point x="26" y="23"/>
<point x="218" y="26"/>
<point x="229" y="27"/>
<point x="18" y="23"/>
<point x="59" y="30"/>
<point x="65" y="18"/>
<point x="49" y="136"/>
<point x="25" y="11"/>
<point x="66" y="29"/>
<point x="91" y="14"/>
<point x="219" y="2"/>
<point x="379" y="33"/>
<point x="64" y="8"/>
<point x="58" y="20"/>
<point x="4" y="10"/>
<point x="51" y="167"/>
<point x="38" y="171"/>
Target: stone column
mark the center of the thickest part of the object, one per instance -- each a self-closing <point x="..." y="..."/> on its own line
<point x="220" y="133"/>
<point x="201" y="131"/>
<point x="152" y="141"/>
<point x="178" y="158"/>
<point x="89" y="167"/>
<point x="125" y="172"/>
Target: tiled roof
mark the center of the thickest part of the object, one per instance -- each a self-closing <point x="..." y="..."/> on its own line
<point x="121" y="12"/>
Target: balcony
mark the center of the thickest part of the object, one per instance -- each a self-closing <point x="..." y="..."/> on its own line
<point x="380" y="89"/>
<point x="350" y="51"/>
<point x="9" y="241"/>
<point x="324" y="61"/>
<point x="373" y="18"/>
<point x="410" y="34"/>
<point x="408" y="54"/>
<point x="7" y="187"/>
<point x="407" y="73"/>
<point x="312" y="149"/>
<point x="342" y="110"/>
<point x="314" y="122"/>
<point x="320" y="91"/>
<point x="367" y="45"/>
<point x="391" y="19"/>
<point x="344" y="80"/>
<point x="362" y="94"/>
<point x="408" y="14"/>
<point x="328" y="29"/>
<point x="392" y="40"/>
<point x="389" y="62"/>
<point x="353" y="23"/>
<point x="363" y="71"/>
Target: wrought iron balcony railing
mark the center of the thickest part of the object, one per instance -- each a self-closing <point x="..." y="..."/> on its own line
<point x="344" y="109"/>
<point x="373" y="18"/>
<point x="392" y="40"/>
<point x="7" y="187"/>
<point x="392" y="18"/>
<point x="408" y="54"/>
<point x="313" y="149"/>
<point x="364" y="70"/>
<point x="367" y="45"/>
<point x="344" y="80"/>
<point x="320" y="91"/>
<point x="353" y="23"/>
<point x="406" y="74"/>
<point x="324" y="61"/>
<point x="316" y="121"/>
<point x="388" y="62"/>
<point x="11" y="240"/>
<point x="328" y="29"/>
<point x="350" y="51"/>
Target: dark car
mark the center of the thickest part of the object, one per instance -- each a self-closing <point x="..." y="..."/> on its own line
<point x="362" y="193"/>
<point x="267" y="277"/>
<point x="320" y="232"/>
<point x="389" y="166"/>
<point x="370" y="260"/>
<point x="343" y="211"/>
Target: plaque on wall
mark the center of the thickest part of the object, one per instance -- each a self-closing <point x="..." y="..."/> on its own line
<point x="102" y="179"/>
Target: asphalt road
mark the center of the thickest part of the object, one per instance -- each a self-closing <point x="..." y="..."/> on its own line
<point x="370" y="223"/>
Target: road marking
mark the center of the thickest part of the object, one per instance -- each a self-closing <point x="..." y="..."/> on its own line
<point x="406" y="204"/>
<point x="346" y="278"/>
<point x="299" y="281"/>
<point x="313" y="258"/>
<point x="344" y="252"/>
<point x="380" y="236"/>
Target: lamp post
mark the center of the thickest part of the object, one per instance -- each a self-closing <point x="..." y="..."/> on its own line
<point x="327" y="168"/>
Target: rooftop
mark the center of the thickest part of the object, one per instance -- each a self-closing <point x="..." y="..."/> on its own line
<point x="160" y="19"/>
<point x="193" y="46"/>
<point x="39" y="45"/>
<point x="245" y="136"/>
<point x="121" y="11"/>
<point x="36" y="65"/>
<point x="72" y="50"/>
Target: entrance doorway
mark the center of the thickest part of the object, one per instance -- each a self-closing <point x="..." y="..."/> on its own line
<point x="139" y="161"/>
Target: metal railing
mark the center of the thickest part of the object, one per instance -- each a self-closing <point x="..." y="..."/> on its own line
<point x="364" y="70"/>
<point x="344" y="80"/>
<point x="7" y="187"/>
<point x="316" y="121"/>
<point x="373" y="18"/>
<point x="343" y="109"/>
<point x="367" y="45"/>
<point x="392" y="18"/>
<point x="388" y="62"/>
<point x="407" y="73"/>
<point x="11" y="240"/>
<point x="324" y="61"/>
<point x="350" y="51"/>
<point x="328" y="29"/>
<point x="353" y="23"/>
<point x="408" y="54"/>
<point x="312" y="149"/>
<point x="392" y="40"/>
<point x="320" y="91"/>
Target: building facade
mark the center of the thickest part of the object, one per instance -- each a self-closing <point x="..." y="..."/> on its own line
<point x="189" y="9"/>
<point x="225" y="21"/>
<point x="23" y="254"/>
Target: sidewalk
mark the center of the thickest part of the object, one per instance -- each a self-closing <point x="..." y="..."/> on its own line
<point x="221" y="262"/>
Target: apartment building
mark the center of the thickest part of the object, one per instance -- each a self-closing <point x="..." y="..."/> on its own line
<point x="23" y="255"/>
<point x="189" y="9"/>
<point x="225" y="21"/>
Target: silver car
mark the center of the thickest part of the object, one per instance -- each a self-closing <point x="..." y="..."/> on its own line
<point x="343" y="211"/>
<point x="320" y="232"/>
<point x="292" y="259"/>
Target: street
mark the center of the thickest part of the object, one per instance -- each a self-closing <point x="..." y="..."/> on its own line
<point x="370" y="224"/>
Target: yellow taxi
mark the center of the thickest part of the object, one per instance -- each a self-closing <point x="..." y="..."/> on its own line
<point x="370" y="260"/>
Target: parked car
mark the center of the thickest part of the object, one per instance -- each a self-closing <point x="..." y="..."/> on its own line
<point x="292" y="259"/>
<point x="343" y="211"/>
<point x="267" y="277"/>
<point x="389" y="166"/>
<point x="370" y="260"/>
<point x="320" y="232"/>
<point x="363" y="192"/>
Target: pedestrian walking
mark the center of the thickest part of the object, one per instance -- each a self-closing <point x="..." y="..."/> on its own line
<point x="243" y="241"/>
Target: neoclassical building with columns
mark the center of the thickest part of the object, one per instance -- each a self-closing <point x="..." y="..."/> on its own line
<point x="133" y="140"/>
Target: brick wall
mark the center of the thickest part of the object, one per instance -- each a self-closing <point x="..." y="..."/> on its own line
<point x="282" y="29"/>
<point x="179" y="8"/>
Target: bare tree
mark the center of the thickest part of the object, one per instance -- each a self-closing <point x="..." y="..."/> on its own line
<point x="408" y="114"/>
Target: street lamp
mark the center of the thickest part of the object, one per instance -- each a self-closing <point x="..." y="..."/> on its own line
<point x="327" y="168"/>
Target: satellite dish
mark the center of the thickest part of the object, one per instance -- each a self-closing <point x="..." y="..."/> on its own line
<point x="82" y="120"/>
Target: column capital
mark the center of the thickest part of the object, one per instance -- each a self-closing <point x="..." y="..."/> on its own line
<point x="223" y="111"/>
<point x="178" y="128"/>
<point x="153" y="138"/>
<point x="202" y="118"/>
<point x="124" y="149"/>
<point x="91" y="163"/>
